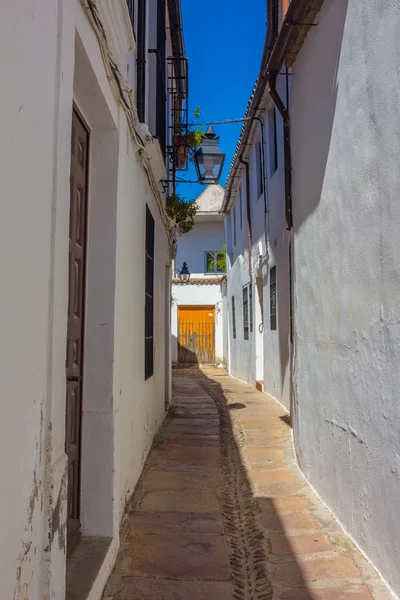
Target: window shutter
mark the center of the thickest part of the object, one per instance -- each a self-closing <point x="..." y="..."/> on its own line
<point x="233" y="318"/>
<point x="149" y="297"/>
<point x="245" y="313"/>
<point x="141" y="61"/>
<point x="272" y="297"/>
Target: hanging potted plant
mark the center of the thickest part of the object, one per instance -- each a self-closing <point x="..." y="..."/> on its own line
<point x="186" y="139"/>
<point x="179" y="141"/>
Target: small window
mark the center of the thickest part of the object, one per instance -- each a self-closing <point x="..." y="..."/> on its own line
<point x="233" y="318"/>
<point x="241" y="206"/>
<point x="149" y="297"/>
<point x="273" y="144"/>
<point x="272" y="297"/>
<point x="246" y="313"/>
<point x="234" y="225"/>
<point x="259" y="170"/>
<point x="215" y="261"/>
<point x="251" y="307"/>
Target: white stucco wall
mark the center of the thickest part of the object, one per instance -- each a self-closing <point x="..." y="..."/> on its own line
<point x="206" y="235"/>
<point x="346" y="147"/>
<point x="50" y="59"/>
<point x="197" y="295"/>
<point x="36" y="106"/>
<point x="140" y="403"/>
<point x="266" y="354"/>
<point x="276" y="349"/>
<point x="241" y="351"/>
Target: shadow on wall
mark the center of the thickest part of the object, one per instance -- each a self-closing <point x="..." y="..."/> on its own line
<point x="184" y="356"/>
<point x="310" y="154"/>
<point x="246" y="508"/>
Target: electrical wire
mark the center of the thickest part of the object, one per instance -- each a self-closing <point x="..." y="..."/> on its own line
<point x="125" y="96"/>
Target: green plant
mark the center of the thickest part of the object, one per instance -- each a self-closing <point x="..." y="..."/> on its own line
<point x="218" y="264"/>
<point x="182" y="211"/>
<point x="194" y="135"/>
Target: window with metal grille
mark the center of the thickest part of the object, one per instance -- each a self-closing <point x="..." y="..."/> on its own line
<point x="259" y="169"/>
<point x="246" y="313"/>
<point x="272" y="297"/>
<point x="149" y="297"/>
<point x="157" y="80"/>
<point x="251" y="306"/>
<point x="234" y="225"/>
<point x="141" y="61"/>
<point x="233" y="318"/>
<point x="215" y="261"/>
<point x="273" y="144"/>
<point x="241" y="206"/>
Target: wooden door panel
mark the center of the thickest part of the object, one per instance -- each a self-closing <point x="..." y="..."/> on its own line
<point x="75" y="326"/>
<point x="196" y="334"/>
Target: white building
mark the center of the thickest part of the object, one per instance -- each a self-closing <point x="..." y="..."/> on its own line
<point x="82" y="224"/>
<point x="258" y="258"/>
<point x="330" y="243"/>
<point x="198" y="333"/>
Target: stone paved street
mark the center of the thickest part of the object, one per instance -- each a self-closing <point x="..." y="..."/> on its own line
<point x="223" y="512"/>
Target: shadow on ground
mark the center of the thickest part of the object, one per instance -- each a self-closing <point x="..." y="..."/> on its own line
<point x="281" y="544"/>
<point x="221" y="511"/>
<point x="243" y="507"/>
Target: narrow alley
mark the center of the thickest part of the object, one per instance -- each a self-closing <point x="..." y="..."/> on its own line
<point x="221" y="510"/>
<point x="200" y="300"/>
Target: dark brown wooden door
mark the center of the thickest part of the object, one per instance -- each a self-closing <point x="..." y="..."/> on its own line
<point x="74" y="361"/>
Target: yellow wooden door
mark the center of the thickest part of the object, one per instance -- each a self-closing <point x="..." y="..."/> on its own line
<point x="196" y="334"/>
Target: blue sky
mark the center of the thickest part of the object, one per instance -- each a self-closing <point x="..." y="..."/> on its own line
<point x="224" y="41"/>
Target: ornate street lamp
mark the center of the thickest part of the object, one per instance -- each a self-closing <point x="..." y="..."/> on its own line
<point x="209" y="158"/>
<point x="184" y="273"/>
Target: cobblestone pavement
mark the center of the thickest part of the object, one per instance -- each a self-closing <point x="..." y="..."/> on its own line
<point x="222" y="512"/>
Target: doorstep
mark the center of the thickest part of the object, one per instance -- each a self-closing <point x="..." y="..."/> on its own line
<point x="88" y="568"/>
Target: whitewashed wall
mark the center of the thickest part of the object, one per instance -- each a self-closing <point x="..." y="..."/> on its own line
<point x="266" y="354"/>
<point x="35" y="116"/>
<point x="346" y="147"/>
<point x="208" y="235"/>
<point x="241" y="351"/>
<point x="57" y="63"/>
<point x="277" y="351"/>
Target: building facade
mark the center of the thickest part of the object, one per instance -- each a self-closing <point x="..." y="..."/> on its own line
<point x="86" y="285"/>
<point x="258" y="259"/>
<point x="325" y="257"/>
<point x="198" y="333"/>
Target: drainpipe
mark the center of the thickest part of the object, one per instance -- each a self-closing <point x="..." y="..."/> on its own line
<point x="248" y="212"/>
<point x="265" y="192"/>
<point x="288" y="34"/>
<point x="286" y="147"/>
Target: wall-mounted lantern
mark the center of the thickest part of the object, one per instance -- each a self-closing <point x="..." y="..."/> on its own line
<point x="209" y="158"/>
<point x="184" y="273"/>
